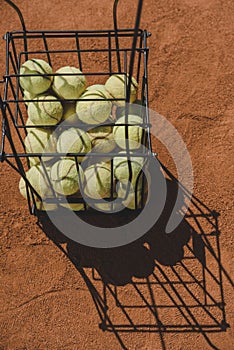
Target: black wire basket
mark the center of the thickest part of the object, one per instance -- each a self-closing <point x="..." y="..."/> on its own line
<point x="98" y="54"/>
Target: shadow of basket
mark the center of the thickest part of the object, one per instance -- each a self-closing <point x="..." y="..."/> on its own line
<point x="159" y="283"/>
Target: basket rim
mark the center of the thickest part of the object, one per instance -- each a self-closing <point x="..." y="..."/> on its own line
<point x="87" y="31"/>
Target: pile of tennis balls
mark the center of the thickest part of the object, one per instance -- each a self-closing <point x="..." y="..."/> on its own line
<point x="49" y="106"/>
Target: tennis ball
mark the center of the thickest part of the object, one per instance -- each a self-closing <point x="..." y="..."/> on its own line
<point x="38" y="83"/>
<point x="64" y="177"/>
<point x="97" y="181"/>
<point x="116" y="85"/>
<point x="40" y="140"/>
<point x="121" y="172"/>
<point x="69" y="113"/>
<point x="102" y="139"/>
<point x="38" y="180"/>
<point x="44" y="112"/>
<point x="121" y="167"/>
<point x="93" y="112"/>
<point x="97" y="185"/>
<point x="74" y="140"/>
<point x="50" y="145"/>
<point x="69" y="86"/>
<point x="135" y="132"/>
<point x="99" y="88"/>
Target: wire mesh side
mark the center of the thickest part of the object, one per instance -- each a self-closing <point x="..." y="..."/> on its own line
<point x="13" y="93"/>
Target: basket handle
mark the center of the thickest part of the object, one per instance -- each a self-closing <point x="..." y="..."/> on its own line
<point x="134" y="42"/>
<point x="2" y="135"/>
<point x="2" y="105"/>
<point x="20" y="15"/>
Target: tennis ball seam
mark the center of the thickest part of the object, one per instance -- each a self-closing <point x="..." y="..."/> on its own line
<point x="65" y="176"/>
<point x="83" y="144"/>
<point x="100" y="166"/>
<point x="46" y="112"/>
<point x="124" y="164"/>
<point x="35" y="63"/>
<point x="80" y="134"/>
<point x="95" y="93"/>
<point x="112" y="96"/>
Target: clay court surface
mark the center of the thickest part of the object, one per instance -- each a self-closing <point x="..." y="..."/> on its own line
<point x="159" y="292"/>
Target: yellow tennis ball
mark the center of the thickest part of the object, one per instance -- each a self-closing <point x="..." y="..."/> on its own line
<point x="64" y="177"/>
<point x="135" y="132"/>
<point x="42" y="111"/>
<point x="38" y="83"/>
<point x="35" y="175"/>
<point x="102" y="139"/>
<point x="121" y="167"/>
<point x="74" y="140"/>
<point x="116" y="85"/>
<point x="42" y="141"/>
<point x="122" y="174"/>
<point x="69" y="86"/>
<point x="93" y="112"/>
<point x="97" y="185"/>
<point x="69" y="113"/>
<point x="97" y="180"/>
<point x="38" y="180"/>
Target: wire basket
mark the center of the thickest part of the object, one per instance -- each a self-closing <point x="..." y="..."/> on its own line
<point x="98" y="54"/>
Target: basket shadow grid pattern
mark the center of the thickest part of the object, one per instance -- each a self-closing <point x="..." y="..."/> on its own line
<point x="98" y="54"/>
<point x="177" y="285"/>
